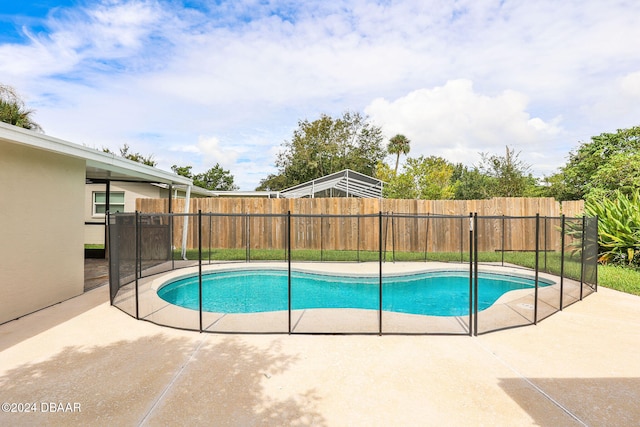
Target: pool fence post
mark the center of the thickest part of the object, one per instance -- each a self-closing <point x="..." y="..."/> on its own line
<point x="470" y="274"/>
<point x="171" y="217"/>
<point x="462" y="238"/>
<point x="107" y="254"/>
<point x="247" y="230"/>
<point x="544" y="249"/>
<point x="358" y="242"/>
<point x="475" y="274"/>
<point x="584" y="218"/>
<point x="535" y="302"/>
<point x="597" y="221"/>
<point x="503" y="239"/>
<point x="138" y="234"/>
<point x="137" y="258"/>
<point x="562" y="231"/>
<point x="380" y="272"/>
<point x="210" y="235"/>
<point x="426" y="239"/>
<point x="289" y="269"/>
<point x="393" y="237"/>
<point x="200" y="265"/>
<point x="386" y="233"/>
<point x="321" y="234"/>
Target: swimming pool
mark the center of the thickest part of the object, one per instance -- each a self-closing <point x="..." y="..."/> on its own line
<point x="434" y="293"/>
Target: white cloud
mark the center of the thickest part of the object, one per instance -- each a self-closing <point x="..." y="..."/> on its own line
<point x="457" y="123"/>
<point x="212" y="151"/>
<point x="186" y="149"/>
<point x="630" y="85"/>
<point x="84" y="41"/>
<point x="545" y="74"/>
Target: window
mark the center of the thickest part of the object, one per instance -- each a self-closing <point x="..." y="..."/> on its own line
<point x="116" y="202"/>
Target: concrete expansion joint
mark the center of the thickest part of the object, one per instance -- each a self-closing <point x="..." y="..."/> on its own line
<point x="168" y="387"/>
<point x="531" y="383"/>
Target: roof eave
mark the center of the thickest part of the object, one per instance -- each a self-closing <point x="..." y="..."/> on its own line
<point x="93" y="157"/>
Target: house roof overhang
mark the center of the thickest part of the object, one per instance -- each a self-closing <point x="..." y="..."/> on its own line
<point x="99" y="165"/>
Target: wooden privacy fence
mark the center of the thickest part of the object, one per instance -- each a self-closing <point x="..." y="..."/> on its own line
<point x="354" y="224"/>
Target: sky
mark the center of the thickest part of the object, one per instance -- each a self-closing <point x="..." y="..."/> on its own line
<point x="197" y="82"/>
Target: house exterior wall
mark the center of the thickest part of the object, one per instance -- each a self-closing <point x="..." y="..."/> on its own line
<point x="41" y="229"/>
<point x="94" y="224"/>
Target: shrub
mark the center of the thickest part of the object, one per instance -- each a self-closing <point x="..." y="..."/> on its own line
<point x="618" y="227"/>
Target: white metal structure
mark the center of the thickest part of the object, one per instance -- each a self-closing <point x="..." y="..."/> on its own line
<point x="346" y="183"/>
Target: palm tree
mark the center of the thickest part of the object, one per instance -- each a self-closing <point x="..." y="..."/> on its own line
<point x="13" y="111"/>
<point x="399" y="144"/>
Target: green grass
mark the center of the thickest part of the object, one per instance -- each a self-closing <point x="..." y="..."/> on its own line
<point x="618" y="278"/>
<point x="314" y="255"/>
<point x="622" y="279"/>
<point x="550" y="263"/>
<point x="94" y="246"/>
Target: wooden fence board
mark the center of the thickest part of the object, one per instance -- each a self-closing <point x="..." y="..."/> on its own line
<point x="409" y="234"/>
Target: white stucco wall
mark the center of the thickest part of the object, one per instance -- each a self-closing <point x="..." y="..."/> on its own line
<point x="41" y="229"/>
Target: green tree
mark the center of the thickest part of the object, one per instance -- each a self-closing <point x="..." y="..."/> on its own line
<point x="396" y="186"/>
<point x="325" y="146"/>
<point x="182" y="171"/>
<point x="217" y="178"/>
<point x="399" y="144"/>
<point x="136" y="157"/>
<point x="511" y="176"/>
<point x="599" y="166"/>
<point x="427" y="178"/>
<point x="13" y="110"/>
<point x="471" y="184"/>
<point x="620" y="173"/>
<point x="556" y="186"/>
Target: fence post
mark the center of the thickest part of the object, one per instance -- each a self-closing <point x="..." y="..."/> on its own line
<point x="137" y="258"/>
<point x="503" y="240"/>
<point x="426" y="239"/>
<point x="210" y="235"/>
<point x="462" y="238"/>
<point x="597" y="249"/>
<point x="535" y="302"/>
<point x="470" y="273"/>
<point x="562" y="231"/>
<point x="393" y="238"/>
<point x="247" y="230"/>
<point x="171" y="217"/>
<point x="200" y="265"/>
<point x="358" y="242"/>
<point x="107" y="254"/>
<point x="380" y="272"/>
<point x="321" y="239"/>
<point x="289" y="268"/>
<point x="386" y="233"/>
<point x="584" y="218"/>
<point x="475" y="273"/>
<point x="545" y="249"/>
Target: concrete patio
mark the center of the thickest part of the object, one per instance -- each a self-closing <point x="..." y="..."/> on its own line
<point x="96" y="365"/>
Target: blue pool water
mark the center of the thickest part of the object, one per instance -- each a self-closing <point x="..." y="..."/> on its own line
<point x="438" y="293"/>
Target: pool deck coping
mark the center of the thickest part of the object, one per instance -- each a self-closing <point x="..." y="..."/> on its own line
<point x="512" y="308"/>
